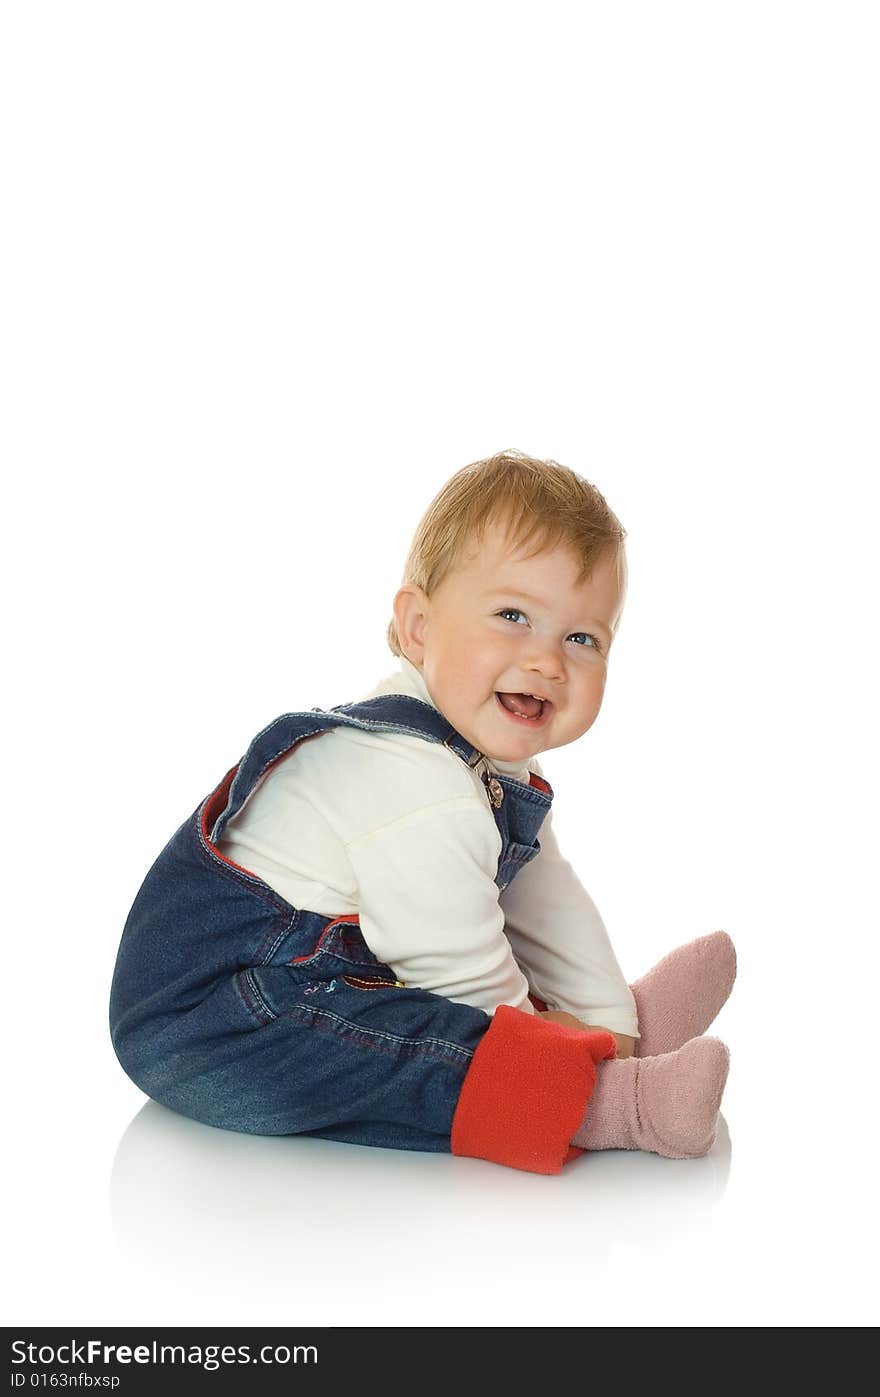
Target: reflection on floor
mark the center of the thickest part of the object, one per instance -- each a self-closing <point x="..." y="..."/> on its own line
<point x="223" y="1214"/>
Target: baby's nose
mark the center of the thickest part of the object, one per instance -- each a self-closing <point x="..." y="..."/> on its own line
<point x="546" y="659"/>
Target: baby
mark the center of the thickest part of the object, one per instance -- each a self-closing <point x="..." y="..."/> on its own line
<point x="364" y="938"/>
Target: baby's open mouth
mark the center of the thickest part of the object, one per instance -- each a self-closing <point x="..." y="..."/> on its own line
<point x="523" y="705"/>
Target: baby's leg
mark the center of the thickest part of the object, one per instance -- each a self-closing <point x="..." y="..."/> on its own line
<point x="679" y="998"/>
<point x="667" y="1104"/>
<point x="336" y="1047"/>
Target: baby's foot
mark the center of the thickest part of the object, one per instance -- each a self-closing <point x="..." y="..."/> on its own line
<point x="667" y="1104"/>
<point x="679" y="998"/>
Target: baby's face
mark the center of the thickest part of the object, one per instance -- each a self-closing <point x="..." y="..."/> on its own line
<point x="500" y="623"/>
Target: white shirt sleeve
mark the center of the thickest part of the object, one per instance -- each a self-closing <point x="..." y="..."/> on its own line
<point x="429" y="905"/>
<point x="560" y="940"/>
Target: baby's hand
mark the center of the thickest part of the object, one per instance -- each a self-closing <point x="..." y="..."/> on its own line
<point x="625" y="1044"/>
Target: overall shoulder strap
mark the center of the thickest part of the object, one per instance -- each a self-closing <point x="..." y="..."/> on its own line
<point x="385" y="713"/>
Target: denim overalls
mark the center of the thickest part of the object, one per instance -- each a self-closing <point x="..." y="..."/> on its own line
<point x="236" y="1009"/>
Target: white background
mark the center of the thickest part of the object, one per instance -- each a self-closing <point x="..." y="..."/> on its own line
<point x="272" y="272"/>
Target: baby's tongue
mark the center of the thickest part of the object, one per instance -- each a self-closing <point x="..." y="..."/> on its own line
<point x="522" y="703"/>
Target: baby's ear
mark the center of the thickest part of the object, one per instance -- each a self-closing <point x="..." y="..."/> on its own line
<point x="410" y="611"/>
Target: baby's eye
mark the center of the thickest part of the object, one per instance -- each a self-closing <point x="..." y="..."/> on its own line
<point x="594" y="644"/>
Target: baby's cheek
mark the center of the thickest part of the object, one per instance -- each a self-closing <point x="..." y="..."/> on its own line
<point x="458" y="677"/>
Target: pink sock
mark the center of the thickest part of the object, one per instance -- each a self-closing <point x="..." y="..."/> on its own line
<point x="679" y="998"/>
<point x="667" y="1104"/>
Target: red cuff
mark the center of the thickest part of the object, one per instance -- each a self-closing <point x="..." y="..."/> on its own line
<point x="526" y="1092"/>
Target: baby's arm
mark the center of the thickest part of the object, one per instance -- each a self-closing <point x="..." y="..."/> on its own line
<point x="560" y="940"/>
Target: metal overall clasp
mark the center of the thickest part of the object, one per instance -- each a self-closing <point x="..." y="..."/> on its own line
<point x="493" y="788"/>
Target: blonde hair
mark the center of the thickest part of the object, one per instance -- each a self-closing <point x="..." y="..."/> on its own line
<point x="539" y="500"/>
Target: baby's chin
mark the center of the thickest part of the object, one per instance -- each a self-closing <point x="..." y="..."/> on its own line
<point x="481" y="730"/>
<point x="518" y="750"/>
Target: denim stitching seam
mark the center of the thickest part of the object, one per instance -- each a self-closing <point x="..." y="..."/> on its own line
<point x="329" y="951"/>
<point x="377" y="1033"/>
<point x="248" y="978"/>
<point x="282" y="934"/>
<point x="249" y="881"/>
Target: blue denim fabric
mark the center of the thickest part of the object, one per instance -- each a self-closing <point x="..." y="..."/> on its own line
<point x="236" y="1009"/>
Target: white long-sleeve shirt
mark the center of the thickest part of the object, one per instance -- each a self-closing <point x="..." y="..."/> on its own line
<point x="400" y="831"/>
